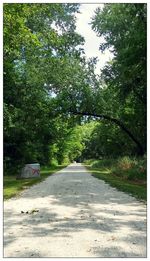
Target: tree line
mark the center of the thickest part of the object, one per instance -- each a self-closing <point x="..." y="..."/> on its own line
<point x="56" y="109"/>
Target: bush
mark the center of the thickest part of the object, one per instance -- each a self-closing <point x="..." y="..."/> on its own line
<point x="126" y="163"/>
<point x="53" y="163"/>
<point x="89" y="161"/>
<point x="131" y="168"/>
<point x="65" y="161"/>
<point x="103" y="163"/>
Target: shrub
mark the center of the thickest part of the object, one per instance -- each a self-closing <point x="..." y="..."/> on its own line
<point x="126" y="163"/>
<point x="65" y="161"/>
<point x="131" y="168"/>
<point x="89" y="161"/>
<point x="54" y="162"/>
<point x="103" y="163"/>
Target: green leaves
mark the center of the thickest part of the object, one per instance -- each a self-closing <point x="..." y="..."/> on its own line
<point x="39" y="40"/>
<point x="124" y="28"/>
<point x="47" y="78"/>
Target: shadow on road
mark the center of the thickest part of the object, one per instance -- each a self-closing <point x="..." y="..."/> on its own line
<point x="91" y="208"/>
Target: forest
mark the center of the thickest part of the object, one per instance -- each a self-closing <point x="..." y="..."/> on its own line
<point x="56" y="108"/>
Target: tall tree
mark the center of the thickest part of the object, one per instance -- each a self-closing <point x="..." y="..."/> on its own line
<point x="123" y="27"/>
<point x="39" y="40"/>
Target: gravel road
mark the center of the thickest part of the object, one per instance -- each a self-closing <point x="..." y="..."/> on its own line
<point x="72" y="214"/>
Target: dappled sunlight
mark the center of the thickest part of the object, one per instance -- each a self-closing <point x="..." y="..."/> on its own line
<point x="70" y="208"/>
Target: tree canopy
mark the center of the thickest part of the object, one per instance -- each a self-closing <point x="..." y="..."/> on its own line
<point x="56" y="109"/>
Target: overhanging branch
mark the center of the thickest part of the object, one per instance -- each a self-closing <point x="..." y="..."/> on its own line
<point x="117" y="122"/>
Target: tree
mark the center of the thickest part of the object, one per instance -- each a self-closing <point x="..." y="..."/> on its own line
<point x="120" y="95"/>
<point x="88" y="96"/>
<point x="123" y="27"/>
<point x="39" y="40"/>
<point x="50" y="87"/>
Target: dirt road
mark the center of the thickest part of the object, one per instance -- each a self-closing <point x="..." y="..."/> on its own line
<point x="72" y="214"/>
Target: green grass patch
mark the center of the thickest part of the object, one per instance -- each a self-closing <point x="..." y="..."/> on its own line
<point x="128" y="175"/>
<point x="13" y="187"/>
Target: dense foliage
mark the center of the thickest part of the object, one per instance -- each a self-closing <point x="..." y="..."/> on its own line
<point x="39" y="39"/>
<point x="56" y="109"/>
<point x="123" y="27"/>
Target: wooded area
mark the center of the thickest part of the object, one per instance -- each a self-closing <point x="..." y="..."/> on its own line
<point x="56" y="108"/>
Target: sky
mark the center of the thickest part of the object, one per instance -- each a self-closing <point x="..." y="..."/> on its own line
<point x="92" y="41"/>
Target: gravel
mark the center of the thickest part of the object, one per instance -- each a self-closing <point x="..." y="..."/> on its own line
<point x="73" y="214"/>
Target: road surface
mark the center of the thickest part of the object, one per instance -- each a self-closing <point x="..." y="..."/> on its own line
<point x="72" y="214"/>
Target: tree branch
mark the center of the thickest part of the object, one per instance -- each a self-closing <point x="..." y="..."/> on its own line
<point x="117" y="122"/>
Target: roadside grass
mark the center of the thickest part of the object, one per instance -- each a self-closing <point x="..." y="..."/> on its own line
<point x="123" y="178"/>
<point x="12" y="186"/>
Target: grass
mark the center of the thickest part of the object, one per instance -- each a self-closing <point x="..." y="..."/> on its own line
<point x="13" y="187"/>
<point x="125" y="180"/>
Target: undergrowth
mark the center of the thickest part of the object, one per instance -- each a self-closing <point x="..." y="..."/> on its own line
<point x="126" y="173"/>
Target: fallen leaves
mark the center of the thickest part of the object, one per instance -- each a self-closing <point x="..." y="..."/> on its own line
<point x="30" y="212"/>
<point x="112" y="238"/>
